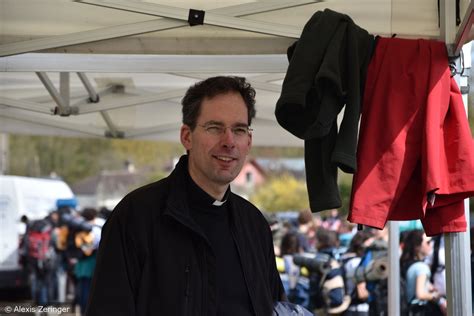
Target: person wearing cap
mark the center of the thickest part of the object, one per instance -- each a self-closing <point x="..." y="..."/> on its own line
<point x="187" y="245"/>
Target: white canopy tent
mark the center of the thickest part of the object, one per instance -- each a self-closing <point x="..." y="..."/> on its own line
<point x="139" y="57"/>
<point x="133" y="61"/>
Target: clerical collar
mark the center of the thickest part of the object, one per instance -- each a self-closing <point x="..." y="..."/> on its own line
<point x="201" y="197"/>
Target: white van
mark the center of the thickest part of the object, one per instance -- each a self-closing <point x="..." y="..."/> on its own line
<point x="33" y="197"/>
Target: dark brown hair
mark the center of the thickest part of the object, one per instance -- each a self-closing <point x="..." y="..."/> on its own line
<point x="211" y="87"/>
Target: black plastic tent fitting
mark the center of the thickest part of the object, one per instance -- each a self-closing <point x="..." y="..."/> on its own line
<point x="196" y="17"/>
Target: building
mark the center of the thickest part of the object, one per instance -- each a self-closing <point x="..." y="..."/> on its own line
<point x="108" y="187"/>
<point x="257" y="170"/>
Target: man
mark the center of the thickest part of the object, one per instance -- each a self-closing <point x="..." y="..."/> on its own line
<point x="186" y="245"/>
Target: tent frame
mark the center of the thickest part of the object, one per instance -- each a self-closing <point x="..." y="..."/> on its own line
<point x="175" y="17"/>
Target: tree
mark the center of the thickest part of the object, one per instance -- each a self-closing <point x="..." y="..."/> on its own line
<point x="69" y="158"/>
<point x="146" y="153"/>
<point x="281" y="193"/>
<point x="74" y="159"/>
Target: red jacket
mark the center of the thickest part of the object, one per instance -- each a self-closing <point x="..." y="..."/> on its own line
<point x="415" y="146"/>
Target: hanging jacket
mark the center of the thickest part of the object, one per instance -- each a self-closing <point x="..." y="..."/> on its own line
<point x="154" y="259"/>
<point x="326" y="72"/>
<point x="416" y="153"/>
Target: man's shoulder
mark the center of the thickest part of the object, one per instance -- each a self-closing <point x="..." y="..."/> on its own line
<point x="144" y="199"/>
<point x="246" y="209"/>
<point x="245" y="204"/>
<point x="160" y="186"/>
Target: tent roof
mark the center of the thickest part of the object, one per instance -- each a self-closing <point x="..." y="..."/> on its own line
<point x="141" y="56"/>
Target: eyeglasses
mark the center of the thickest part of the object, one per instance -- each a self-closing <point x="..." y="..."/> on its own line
<point x="218" y="130"/>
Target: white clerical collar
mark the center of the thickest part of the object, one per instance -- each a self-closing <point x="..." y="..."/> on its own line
<point x="219" y="203"/>
<point x="224" y="199"/>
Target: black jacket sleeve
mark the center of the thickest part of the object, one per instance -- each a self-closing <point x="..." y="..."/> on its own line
<point x="326" y="74"/>
<point x="275" y="281"/>
<point x="276" y="286"/>
<point x="117" y="272"/>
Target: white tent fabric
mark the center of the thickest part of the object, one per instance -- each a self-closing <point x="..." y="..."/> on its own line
<point x="140" y="56"/>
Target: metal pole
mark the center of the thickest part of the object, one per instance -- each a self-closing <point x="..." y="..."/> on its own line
<point x="457" y="245"/>
<point x="52" y="90"/>
<point x="3" y="153"/>
<point x="64" y="87"/>
<point x="94" y="97"/>
<point x="394" y="269"/>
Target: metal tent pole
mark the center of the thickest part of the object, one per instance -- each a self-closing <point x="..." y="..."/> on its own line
<point x="394" y="269"/>
<point x="457" y="246"/>
<point x="3" y="153"/>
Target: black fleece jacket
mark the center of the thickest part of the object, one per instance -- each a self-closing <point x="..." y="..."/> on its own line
<point x="326" y="72"/>
<point x="154" y="259"/>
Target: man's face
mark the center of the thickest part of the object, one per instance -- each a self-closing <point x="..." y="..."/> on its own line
<point x="215" y="159"/>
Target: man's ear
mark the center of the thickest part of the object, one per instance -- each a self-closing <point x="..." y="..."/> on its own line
<point x="186" y="136"/>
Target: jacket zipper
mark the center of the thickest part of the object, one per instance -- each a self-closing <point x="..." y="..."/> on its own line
<point x="186" y="223"/>
<point x="244" y="270"/>
<point x="186" y="291"/>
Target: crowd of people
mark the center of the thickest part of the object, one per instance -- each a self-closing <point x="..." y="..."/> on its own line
<point x="313" y="252"/>
<point x="59" y="254"/>
<point x="63" y="272"/>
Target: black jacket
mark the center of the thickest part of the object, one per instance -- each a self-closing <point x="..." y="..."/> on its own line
<point x="154" y="260"/>
<point x="326" y="72"/>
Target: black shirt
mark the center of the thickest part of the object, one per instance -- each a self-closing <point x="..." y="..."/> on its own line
<point x="213" y="218"/>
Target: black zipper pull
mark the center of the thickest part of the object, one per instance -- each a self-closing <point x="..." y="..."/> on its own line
<point x="186" y="273"/>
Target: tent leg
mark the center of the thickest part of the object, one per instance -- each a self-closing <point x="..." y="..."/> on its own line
<point x="394" y="269"/>
<point x="3" y="153"/>
<point x="457" y="247"/>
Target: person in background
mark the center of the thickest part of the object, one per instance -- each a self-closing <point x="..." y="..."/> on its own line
<point x="346" y="232"/>
<point x="378" y="289"/>
<point x="421" y="296"/>
<point x="187" y="245"/>
<point x="306" y="232"/>
<point x="40" y="260"/>
<point x="295" y="291"/>
<point x="333" y="221"/>
<point x="436" y="261"/>
<point x="327" y="242"/>
<point x="356" y="288"/>
<point x="88" y="243"/>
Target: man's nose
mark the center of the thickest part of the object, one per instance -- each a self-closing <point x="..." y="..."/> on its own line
<point x="228" y="138"/>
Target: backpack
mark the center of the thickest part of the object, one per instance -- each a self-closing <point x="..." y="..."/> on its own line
<point x="403" y="296"/>
<point x="350" y="281"/>
<point x="85" y="241"/>
<point x="62" y="233"/>
<point x="39" y="248"/>
<point x="373" y="269"/>
<point x="327" y="289"/>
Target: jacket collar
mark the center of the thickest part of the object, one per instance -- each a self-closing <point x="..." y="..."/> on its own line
<point x="177" y="204"/>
